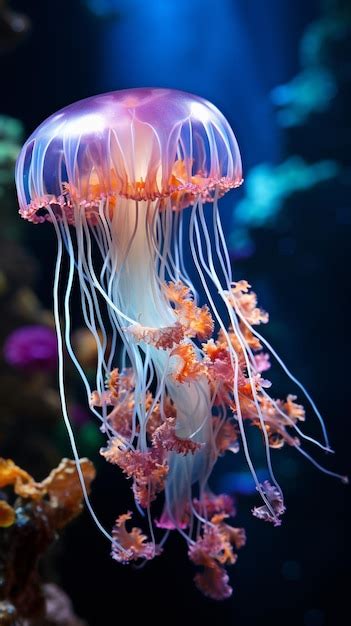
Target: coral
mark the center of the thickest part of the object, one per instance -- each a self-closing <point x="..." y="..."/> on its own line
<point x="58" y="610"/>
<point x="40" y="510"/>
<point x="7" y="514"/>
<point x="31" y="347"/>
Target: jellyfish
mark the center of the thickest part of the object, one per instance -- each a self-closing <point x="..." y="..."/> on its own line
<point x="131" y="182"/>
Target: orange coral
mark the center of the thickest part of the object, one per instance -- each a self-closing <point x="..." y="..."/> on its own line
<point x="10" y="473"/>
<point x="62" y="486"/>
<point x="7" y="514"/>
<point x="191" y="367"/>
<point x="133" y="544"/>
<point x="61" y="489"/>
<point x="42" y="509"/>
<point x="64" y="489"/>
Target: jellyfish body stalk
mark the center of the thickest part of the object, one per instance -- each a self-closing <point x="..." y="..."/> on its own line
<point x="134" y="288"/>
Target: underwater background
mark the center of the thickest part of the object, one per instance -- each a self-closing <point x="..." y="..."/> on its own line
<point x="280" y="70"/>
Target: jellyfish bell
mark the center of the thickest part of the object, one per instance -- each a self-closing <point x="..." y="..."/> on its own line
<point x="115" y="174"/>
<point x="139" y="144"/>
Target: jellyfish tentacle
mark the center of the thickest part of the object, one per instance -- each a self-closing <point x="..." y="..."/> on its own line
<point x="289" y="374"/>
<point x="90" y="306"/>
<point x="101" y="370"/>
<point x="228" y="274"/>
<point x="185" y="276"/>
<point x="325" y="447"/>
<point x="129" y="307"/>
<point x="88" y="295"/>
<point x="62" y="385"/>
<point x="260" y="337"/>
<point x="344" y="479"/>
<point x="233" y="357"/>
<point x="101" y="239"/>
<point x="68" y="325"/>
<point x="176" y="261"/>
<point x="89" y="264"/>
<point x="160" y="390"/>
<point x="281" y="362"/>
<point x="176" y="264"/>
<point x="108" y="428"/>
<point x="97" y="285"/>
<point x="220" y="241"/>
<point x="295" y="426"/>
<point x="234" y="322"/>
